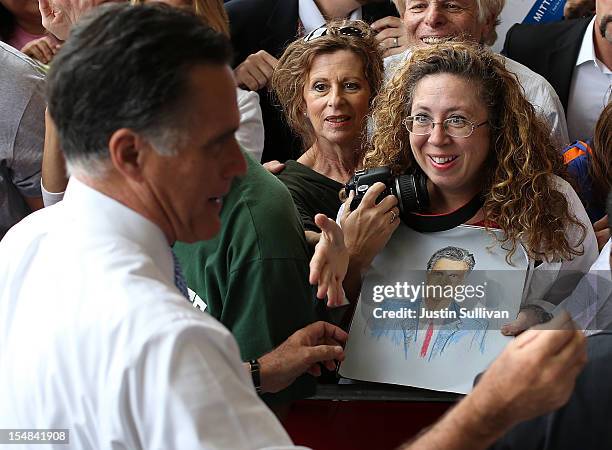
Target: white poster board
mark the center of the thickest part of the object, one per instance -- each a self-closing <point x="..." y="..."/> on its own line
<point x="397" y="337"/>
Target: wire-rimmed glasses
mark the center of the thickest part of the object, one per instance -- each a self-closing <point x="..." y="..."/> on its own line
<point x="454" y="126"/>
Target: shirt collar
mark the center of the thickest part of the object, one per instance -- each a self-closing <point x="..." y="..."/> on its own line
<point x="587" y="49"/>
<point x="311" y="17"/>
<point x="103" y="215"/>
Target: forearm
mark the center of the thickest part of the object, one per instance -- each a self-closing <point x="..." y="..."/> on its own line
<point x="54" y="177"/>
<point x="353" y="279"/>
<point x="464" y="427"/>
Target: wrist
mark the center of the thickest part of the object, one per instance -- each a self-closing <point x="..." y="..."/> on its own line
<point x="487" y="418"/>
<point x="255" y="372"/>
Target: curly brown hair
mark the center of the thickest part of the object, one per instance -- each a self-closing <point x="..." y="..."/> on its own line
<point x="519" y="190"/>
<point x="291" y="73"/>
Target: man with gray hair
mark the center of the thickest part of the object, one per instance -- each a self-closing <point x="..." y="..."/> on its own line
<point x="432" y="21"/>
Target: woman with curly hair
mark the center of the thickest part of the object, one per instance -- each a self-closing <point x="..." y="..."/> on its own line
<point x="455" y="114"/>
<point x="325" y="84"/>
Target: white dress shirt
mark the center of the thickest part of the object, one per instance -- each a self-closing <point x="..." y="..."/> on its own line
<point x="538" y="91"/>
<point x="589" y="89"/>
<point x="96" y="338"/>
<point x="250" y="133"/>
<point x="311" y="17"/>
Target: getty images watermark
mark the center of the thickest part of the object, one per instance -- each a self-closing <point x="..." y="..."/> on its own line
<point x="403" y="300"/>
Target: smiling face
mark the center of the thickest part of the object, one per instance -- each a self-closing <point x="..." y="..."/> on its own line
<point x="188" y="187"/>
<point x="430" y="21"/>
<point x="336" y="97"/>
<point x="454" y="165"/>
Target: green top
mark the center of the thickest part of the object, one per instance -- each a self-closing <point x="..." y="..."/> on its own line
<point x="312" y="193"/>
<point x="253" y="275"/>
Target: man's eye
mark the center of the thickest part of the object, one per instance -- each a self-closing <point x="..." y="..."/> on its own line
<point x="418" y="7"/>
<point x="453" y="7"/>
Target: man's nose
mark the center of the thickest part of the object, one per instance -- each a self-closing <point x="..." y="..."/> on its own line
<point x="434" y="16"/>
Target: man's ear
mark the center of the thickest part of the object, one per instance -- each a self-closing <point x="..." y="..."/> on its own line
<point x="487" y="28"/>
<point x="128" y="151"/>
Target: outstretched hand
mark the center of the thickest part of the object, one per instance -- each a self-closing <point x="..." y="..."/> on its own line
<point x="58" y="16"/>
<point x="330" y="261"/>
<point x="319" y="342"/>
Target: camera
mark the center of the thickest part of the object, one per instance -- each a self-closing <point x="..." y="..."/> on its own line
<point x="410" y="189"/>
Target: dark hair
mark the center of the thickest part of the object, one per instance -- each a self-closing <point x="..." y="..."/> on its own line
<point x="7" y="24"/>
<point x="454" y="254"/>
<point x="127" y="66"/>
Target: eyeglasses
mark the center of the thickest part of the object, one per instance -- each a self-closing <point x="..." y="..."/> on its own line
<point x="454" y="126"/>
<point x="347" y="30"/>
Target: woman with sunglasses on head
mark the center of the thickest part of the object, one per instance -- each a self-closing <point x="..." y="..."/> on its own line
<point x="325" y="84"/>
<point x="454" y="114"/>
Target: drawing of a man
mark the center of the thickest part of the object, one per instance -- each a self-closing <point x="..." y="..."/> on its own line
<point x="425" y="333"/>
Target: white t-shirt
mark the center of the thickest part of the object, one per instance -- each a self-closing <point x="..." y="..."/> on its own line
<point x="96" y="338"/>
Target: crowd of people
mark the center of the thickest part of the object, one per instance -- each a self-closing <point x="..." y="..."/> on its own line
<point x="179" y="259"/>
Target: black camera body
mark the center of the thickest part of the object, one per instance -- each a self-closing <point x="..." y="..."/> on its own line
<point x="410" y="189"/>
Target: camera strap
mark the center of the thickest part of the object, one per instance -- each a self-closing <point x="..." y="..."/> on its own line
<point x="430" y="223"/>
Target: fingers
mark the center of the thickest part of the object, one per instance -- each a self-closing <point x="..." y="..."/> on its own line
<point x="325" y="332"/>
<point x="369" y="199"/>
<point x="45" y="8"/>
<point x="601" y="224"/>
<point x="386" y="22"/>
<point x="274" y="166"/>
<point x="322" y="353"/>
<point x="250" y="76"/>
<point x="346" y="211"/>
<point x="256" y="71"/>
<point x="269" y="59"/>
<point x="39" y="50"/>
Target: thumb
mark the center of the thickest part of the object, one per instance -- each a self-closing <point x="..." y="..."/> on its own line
<point x="45" y="8"/>
<point x="346" y="211"/>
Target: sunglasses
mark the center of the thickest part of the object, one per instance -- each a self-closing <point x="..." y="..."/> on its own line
<point x="344" y="31"/>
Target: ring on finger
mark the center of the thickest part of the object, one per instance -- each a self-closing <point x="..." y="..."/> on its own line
<point x="393" y="216"/>
<point x="396" y="42"/>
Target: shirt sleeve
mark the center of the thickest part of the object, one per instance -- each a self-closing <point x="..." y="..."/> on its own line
<point x="250" y="134"/>
<point x="189" y="390"/>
